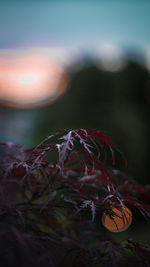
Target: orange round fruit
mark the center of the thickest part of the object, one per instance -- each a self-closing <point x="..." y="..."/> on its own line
<point x="119" y="221"/>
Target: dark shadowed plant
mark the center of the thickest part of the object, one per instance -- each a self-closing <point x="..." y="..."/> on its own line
<point x="53" y="196"/>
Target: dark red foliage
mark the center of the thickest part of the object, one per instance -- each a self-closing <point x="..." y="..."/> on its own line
<point x="52" y="197"/>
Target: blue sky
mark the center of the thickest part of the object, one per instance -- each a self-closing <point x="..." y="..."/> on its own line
<point x="74" y="23"/>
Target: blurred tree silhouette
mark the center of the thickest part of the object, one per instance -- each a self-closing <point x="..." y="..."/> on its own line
<point x="117" y="103"/>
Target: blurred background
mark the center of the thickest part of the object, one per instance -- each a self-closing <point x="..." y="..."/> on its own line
<point x="77" y="64"/>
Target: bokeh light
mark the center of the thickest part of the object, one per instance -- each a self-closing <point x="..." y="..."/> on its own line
<point x="110" y="57"/>
<point x="29" y="78"/>
<point x="147" y="58"/>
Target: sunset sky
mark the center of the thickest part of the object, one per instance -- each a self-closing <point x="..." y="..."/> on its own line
<point x="39" y="39"/>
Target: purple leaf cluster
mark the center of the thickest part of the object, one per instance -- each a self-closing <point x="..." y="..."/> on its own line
<point x="52" y="198"/>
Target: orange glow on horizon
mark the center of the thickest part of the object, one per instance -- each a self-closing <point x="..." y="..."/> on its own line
<point x="30" y="79"/>
<point x="119" y="221"/>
